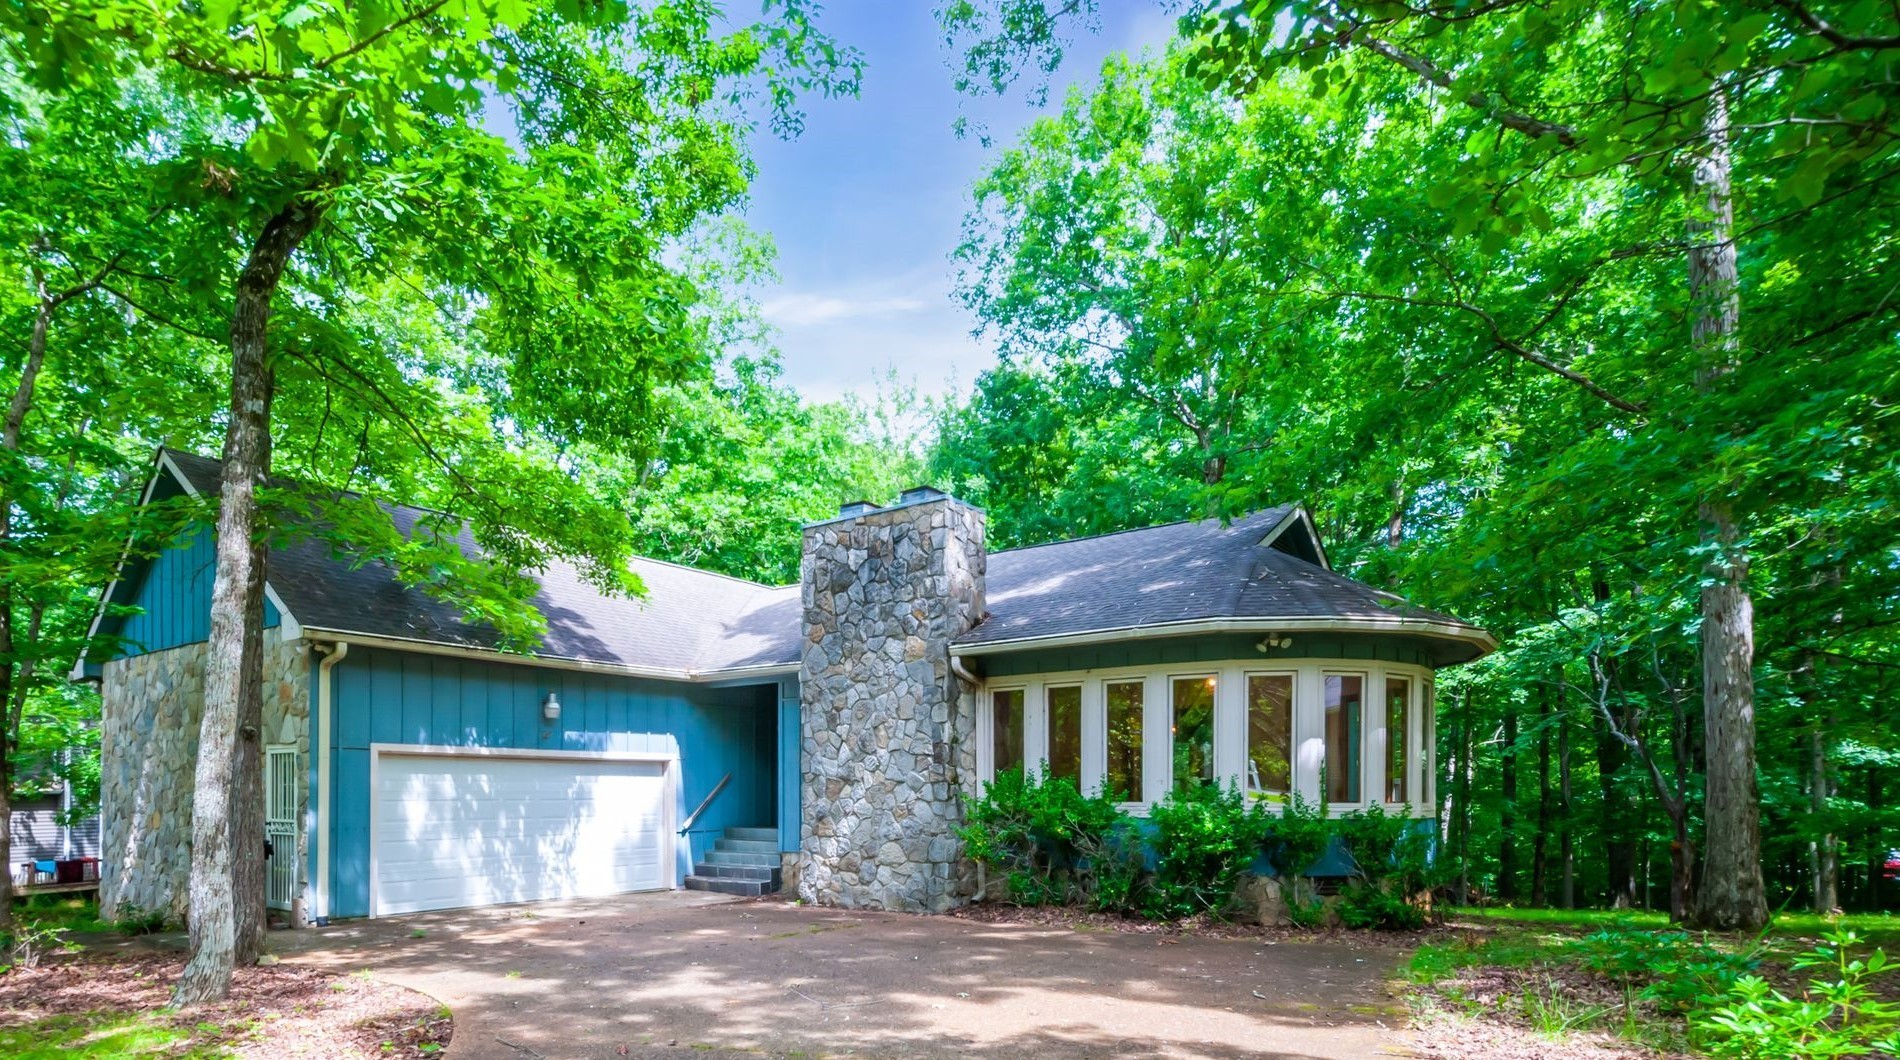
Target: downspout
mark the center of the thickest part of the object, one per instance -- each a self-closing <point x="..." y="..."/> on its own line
<point x="963" y="674"/>
<point x="332" y="654"/>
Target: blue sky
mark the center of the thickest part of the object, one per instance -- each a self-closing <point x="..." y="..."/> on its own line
<point x="867" y="205"/>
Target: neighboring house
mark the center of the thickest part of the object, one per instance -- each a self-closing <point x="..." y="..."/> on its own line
<point x="724" y="734"/>
<point x="37" y="835"/>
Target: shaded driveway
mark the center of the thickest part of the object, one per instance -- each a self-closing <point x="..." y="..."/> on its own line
<point x="684" y="973"/>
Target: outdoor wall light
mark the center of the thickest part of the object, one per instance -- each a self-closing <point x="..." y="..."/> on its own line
<point x="1274" y="641"/>
<point x="551" y="708"/>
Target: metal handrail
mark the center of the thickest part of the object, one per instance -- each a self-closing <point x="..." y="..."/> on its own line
<point x="705" y="802"/>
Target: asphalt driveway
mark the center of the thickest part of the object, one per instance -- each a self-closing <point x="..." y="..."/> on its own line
<point x="684" y="973"/>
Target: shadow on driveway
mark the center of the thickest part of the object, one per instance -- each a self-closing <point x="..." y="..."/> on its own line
<point x="681" y="972"/>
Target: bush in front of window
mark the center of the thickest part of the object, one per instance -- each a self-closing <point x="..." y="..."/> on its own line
<point x="1052" y="845"/>
<point x="1205" y="836"/>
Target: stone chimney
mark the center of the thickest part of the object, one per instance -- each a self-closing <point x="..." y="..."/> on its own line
<point x="889" y="732"/>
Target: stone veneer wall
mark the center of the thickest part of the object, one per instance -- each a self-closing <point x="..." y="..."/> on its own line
<point x="888" y="734"/>
<point x="150" y="708"/>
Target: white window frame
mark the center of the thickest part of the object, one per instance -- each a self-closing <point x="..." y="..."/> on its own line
<point x="1230" y="725"/>
<point x="1292" y="736"/>
<point x="1213" y="751"/>
<point x="1371" y="741"/>
<point x="1046" y="724"/>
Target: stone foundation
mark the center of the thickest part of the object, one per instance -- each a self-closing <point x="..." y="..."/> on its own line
<point x="888" y="733"/>
<point x="150" y="707"/>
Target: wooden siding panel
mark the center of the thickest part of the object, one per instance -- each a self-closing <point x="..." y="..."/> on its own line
<point x="173" y="591"/>
<point x="401" y="697"/>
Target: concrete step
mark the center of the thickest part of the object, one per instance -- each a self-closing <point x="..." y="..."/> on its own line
<point x="737" y="872"/>
<point x="746" y="846"/>
<point x="733" y="857"/>
<point x="746" y="888"/>
<point x="756" y="835"/>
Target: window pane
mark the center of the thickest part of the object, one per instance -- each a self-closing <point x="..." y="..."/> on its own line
<point x="1124" y="740"/>
<point x="1345" y="718"/>
<point x="1065" y="733"/>
<point x="1270" y="733"/>
<point x="1193" y="731"/>
<point x="1398" y="717"/>
<point x="1008" y="712"/>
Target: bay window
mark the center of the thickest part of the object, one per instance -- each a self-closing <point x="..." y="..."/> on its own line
<point x="1345" y="720"/>
<point x="1193" y="732"/>
<point x="1065" y="731"/>
<point x="1270" y="733"/>
<point x="1398" y="722"/>
<point x="1124" y="701"/>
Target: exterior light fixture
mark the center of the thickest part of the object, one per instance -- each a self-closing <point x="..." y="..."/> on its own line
<point x="551" y="708"/>
<point x="1274" y="640"/>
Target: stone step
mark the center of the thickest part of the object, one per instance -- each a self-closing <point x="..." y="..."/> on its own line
<point x="745" y="888"/>
<point x="734" y="857"/>
<point x="746" y="846"/>
<point x="737" y="872"/>
<point x="756" y="835"/>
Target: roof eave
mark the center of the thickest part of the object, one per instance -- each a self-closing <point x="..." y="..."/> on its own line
<point x="549" y="662"/>
<point x="1454" y="631"/>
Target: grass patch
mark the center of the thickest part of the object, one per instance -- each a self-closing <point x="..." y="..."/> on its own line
<point x="62" y="912"/>
<point x="1881" y="929"/>
<point x="102" y="1034"/>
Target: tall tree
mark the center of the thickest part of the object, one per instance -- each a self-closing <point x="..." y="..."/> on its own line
<point x="369" y="126"/>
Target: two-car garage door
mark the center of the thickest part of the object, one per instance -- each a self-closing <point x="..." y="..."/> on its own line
<point x="454" y="830"/>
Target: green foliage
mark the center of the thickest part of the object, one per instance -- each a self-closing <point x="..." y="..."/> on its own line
<point x="1671" y="969"/>
<point x="1366" y="904"/>
<point x="1841" y="1012"/>
<point x="1053" y="844"/>
<point x="131" y="920"/>
<point x="1205" y="836"/>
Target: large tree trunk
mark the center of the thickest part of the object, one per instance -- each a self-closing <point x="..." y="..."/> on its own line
<point x="1507" y="820"/>
<point x="1461" y="790"/>
<point x="1824" y="850"/>
<point x="222" y="795"/>
<point x="1567" y="842"/>
<point x="1540" y="844"/>
<point x="1732" y="896"/>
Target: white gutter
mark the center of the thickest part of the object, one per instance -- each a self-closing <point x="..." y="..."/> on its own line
<point x="552" y="662"/>
<point x="1415" y="626"/>
<point x="332" y="655"/>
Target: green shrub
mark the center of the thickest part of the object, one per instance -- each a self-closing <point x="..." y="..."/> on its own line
<point x="1052" y="844"/>
<point x="1370" y="904"/>
<point x="1205" y="836"/>
<point x="129" y="919"/>
<point x="1669" y="969"/>
<point x="1838" y="1014"/>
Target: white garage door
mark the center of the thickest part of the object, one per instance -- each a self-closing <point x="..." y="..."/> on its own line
<point x="455" y="831"/>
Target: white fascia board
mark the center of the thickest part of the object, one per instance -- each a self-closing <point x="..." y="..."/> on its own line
<point x="1413" y="626"/>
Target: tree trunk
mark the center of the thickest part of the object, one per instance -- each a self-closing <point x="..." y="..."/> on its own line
<point x="1876" y="844"/>
<point x="1825" y="849"/>
<point x="218" y="883"/>
<point x="1507" y="819"/>
<point x="1732" y="896"/>
<point x="1463" y="792"/>
<point x="1566" y="834"/>
<point x="1540" y="844"/>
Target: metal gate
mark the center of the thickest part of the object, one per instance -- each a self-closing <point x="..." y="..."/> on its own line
<point x="283" y="780"/>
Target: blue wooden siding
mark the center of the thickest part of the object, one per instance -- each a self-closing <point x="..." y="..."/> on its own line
<point x="1169" y="651"/>
<point x="791" y="765"/>
<point x="173" y="592"/>
<point x="381" y="697"/>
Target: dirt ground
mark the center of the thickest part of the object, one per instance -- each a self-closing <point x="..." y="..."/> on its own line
<point x="277" y="1011"/>
<point x="652" y="975"/>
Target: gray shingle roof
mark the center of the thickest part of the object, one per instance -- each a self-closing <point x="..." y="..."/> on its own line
<point x="1178" y="574"/>
<point x="689" y="620"/>
<point x="695" y="622"/>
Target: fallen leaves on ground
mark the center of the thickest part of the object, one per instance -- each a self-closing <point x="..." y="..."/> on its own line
<point x="274" y="1011"/>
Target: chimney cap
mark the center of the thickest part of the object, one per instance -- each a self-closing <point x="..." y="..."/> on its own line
<point x="856" y="508"/>
<point x="919" y="494"/>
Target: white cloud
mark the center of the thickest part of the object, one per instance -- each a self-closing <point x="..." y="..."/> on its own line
<point x="806" y="308"/>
